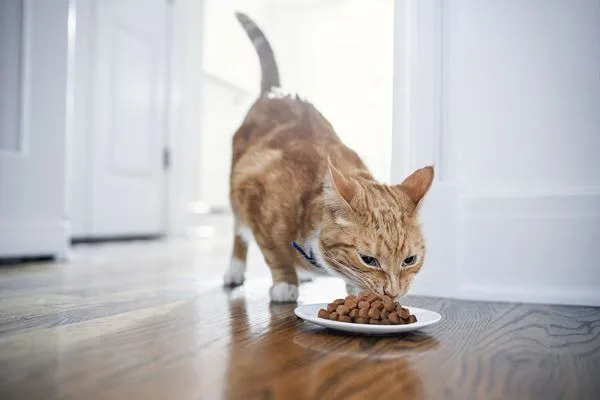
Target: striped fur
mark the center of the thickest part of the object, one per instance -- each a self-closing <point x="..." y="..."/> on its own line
<point x="268" y="65"/>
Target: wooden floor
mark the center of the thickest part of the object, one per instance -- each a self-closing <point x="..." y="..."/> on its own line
<point x="151" y="321"/>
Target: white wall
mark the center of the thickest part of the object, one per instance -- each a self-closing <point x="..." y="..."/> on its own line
<point x="515" y="100"/>
<point x="228" y="54"/>
<point x="224" y="106"/>
<point x="339" y="55"/>
<point x="230" y="78"/>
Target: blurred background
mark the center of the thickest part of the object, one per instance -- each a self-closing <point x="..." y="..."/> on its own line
<point x="116" y="119"/>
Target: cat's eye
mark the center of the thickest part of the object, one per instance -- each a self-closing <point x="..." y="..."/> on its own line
<point x="409" y="261"/>
<point x="372" y="261"/>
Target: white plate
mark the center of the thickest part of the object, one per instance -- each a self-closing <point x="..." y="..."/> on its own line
<point x="308" y="312"/>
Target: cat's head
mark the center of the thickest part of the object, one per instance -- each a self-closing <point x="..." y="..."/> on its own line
<point x="371" y="236"/>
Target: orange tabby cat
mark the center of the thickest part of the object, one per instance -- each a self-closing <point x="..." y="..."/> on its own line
<point x="309" y="201"/>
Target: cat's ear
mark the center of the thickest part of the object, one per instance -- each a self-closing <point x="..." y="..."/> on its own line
<point x="418" y="183"/>
<point x="339" y="187"/>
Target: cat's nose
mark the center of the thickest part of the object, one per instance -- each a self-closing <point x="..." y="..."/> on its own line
<point x="392" y="293"/>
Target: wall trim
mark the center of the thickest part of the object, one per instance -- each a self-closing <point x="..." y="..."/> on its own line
<point x="417" y="125"/>
<point x="28" y="19"/>
<point x="528" y="294"/>
<point x="34" y="237"/>
<point x="184" y="98"/>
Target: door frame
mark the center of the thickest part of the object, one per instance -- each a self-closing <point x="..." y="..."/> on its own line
<point x="418" y="137"/>
<point x="184" y="116"/>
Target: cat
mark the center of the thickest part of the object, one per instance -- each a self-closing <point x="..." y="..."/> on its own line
<point x="311" y="204"/>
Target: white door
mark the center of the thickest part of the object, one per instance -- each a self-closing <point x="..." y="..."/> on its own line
<point x="33" y="131"/>
<point x="125" y="178"/>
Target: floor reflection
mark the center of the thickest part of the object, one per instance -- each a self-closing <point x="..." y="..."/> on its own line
<point x="289" y="358"/>
<point x="359" y="346"/>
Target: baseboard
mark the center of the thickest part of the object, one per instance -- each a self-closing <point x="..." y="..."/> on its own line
<point x="34" y="238"/>
<point x="536" y="248"/>
<point x="547" y="295"/>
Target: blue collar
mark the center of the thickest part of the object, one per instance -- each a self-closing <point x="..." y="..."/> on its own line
<point x="310" y="258"/>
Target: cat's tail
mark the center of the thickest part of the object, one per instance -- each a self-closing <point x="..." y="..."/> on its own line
<point x="268" y="65"/>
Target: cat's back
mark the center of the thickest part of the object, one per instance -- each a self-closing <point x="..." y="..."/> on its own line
<point x="284" y="124"/>
<point x="284" y="132"/>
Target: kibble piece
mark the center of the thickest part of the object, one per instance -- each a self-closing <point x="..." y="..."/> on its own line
<point x="394" y="318"/>
<point x="323" y="314"/>
<point x="354" y="313"/>
<point x="378" y="304"/>
<point x="388" y="303"/>
<point x="372" y="297"/>
<point x="412" y="319"/>
<point x="351" y="304"/>
<point x="343" y="310"/>
<point x="344" y="318"/>
<point x="403" y="313"/>
<point x="333" y="316"/>
<point x="331" y="307"/>
<point x="363" y="313"/>
<point x="362" y="320"/>
<point x="351" y="297"/>
<point x="363" y="296"/>
<point x="338" y="302"/>
<point x="374" y="321"/>
<point x="384" y="314"/>
<point x="374" y="313"/>
<point x="385" y="322"/>
<point x="364" y="304"/>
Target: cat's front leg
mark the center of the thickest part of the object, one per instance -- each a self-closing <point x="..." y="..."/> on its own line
<point x="285" y="284"/>
<point x="352" y="290"/>
<point x="285" y="278"/>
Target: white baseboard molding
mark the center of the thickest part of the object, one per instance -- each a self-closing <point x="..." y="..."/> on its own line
<point x="579" y="297"/>
<point x="528" y="294"/>
<point x="34" y="239"/>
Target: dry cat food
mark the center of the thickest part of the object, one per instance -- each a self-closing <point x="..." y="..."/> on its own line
<point x="368" y="308"/>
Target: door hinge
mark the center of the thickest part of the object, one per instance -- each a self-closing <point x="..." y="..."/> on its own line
<point x="166" y="159"/>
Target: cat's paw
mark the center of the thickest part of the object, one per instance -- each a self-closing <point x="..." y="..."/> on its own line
<point x="235" y="274"/>
<point x="352" y="290"/>
<point x="282" y="292"/>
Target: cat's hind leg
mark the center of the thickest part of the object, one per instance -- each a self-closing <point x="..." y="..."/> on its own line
<point x="236" y="272"/>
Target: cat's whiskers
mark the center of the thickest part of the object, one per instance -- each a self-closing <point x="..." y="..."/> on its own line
<point x="348" y="272"/>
